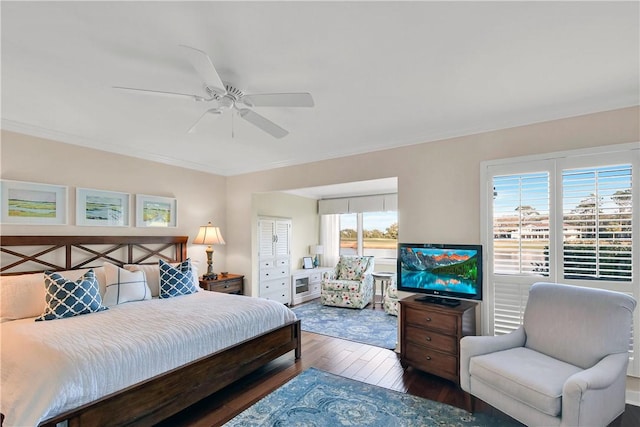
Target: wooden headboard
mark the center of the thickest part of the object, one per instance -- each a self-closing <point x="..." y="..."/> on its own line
<point x="31" y="254"/>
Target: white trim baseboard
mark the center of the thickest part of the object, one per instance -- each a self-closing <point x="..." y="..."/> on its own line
<point x="633" y="397"/>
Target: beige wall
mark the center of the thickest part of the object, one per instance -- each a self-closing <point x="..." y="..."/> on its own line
<point x="438" y="182"/>
<point x="303" y="213"/>
<point x="201" y="196"/>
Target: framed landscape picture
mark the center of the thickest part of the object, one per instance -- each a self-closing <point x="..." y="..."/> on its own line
<point x="102" y="208"/>
<point x="33" y="203"/>
<point x="154" y="211"/>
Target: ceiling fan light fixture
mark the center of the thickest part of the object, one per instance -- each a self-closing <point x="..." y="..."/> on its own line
<point x="229" y="97"/>
<point x="226" y="102"/>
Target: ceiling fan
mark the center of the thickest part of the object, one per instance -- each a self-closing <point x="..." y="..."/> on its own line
<point x="228" y="97"/>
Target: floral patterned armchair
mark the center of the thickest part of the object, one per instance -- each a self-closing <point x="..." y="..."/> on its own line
<point x="390" y="301"/>
<point x="350" y="284"/>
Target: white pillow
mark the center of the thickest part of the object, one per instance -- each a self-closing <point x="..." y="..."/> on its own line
<point x="152" y="273"/>
<point x="23" y="295"/>
<point x="124" y="285"/>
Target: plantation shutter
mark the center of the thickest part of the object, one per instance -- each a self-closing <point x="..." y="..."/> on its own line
<point x="521" y="224"/>
<point x="520" y="244"/>
<point x="566" y="217"/>
<point x="597" y="223"/>
<point x="510" y="299"/>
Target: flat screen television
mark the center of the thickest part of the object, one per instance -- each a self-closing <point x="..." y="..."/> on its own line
<point x="446" y="273"/>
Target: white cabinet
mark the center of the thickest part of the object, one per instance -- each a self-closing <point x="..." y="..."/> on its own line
<point x="305" y="284"/>
<point x="274" y="246"/>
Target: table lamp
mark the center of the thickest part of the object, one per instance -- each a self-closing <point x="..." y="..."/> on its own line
<point x="209" y="235"/>
<point x="316" y="250"/>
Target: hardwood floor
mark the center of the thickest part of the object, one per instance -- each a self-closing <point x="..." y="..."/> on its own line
<point x="360" y="362"/>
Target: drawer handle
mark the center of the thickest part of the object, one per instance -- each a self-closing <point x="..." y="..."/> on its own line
<point x="226" y="286"/>
<point x="428" y="319"/>
<point x="428" y="357"/>
<point x="428" y="338"/>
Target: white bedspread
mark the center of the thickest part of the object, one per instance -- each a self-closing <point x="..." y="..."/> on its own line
<point x="53" y="366"/>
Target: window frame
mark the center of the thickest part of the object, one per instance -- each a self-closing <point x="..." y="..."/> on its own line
<point x="555" y="163"/>
<point x="360" y="236"/>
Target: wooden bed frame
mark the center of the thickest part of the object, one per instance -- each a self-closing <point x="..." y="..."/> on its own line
<point x="157" y="398"/>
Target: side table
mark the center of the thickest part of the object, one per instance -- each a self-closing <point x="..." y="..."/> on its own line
<point x="229" y="284"/>
<point x="384" y="277"/>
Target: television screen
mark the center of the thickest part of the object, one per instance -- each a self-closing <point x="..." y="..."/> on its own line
<point x="441" y="270"/>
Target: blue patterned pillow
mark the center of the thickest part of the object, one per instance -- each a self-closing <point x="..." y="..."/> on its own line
<point x="66" y="298"/>
<point x="175" y="281"/>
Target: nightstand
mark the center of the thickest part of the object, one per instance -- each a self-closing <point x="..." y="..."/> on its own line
<point x="229" y="284"/>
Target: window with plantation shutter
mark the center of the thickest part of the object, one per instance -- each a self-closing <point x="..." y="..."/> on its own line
<point x="521" y="224"/>
<point x="597" y="223"/>
<point x="569" y="218"/>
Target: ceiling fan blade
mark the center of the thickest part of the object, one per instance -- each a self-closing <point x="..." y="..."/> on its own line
<point x="204" y="67"/>
<point x="263" y="123"/>
<point x="279" y="100"/>
<point x="160" y="93"/>
<point x="212" y="111"/>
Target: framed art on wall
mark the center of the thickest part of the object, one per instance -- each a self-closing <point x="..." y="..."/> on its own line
<point x="155" y="211"/>
<point x="32" y="203"/>
<point x="102" y="208"/>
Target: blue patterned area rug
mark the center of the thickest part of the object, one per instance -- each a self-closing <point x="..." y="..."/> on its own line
<point x="373" y="327"/>
<point x="320" y="399"/>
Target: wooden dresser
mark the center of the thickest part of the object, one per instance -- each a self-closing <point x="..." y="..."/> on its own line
<point x="431" y="333"/>
<point x="229" y="284"/>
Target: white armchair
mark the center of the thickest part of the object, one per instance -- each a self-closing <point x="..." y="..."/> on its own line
<point x="565" y="366"/>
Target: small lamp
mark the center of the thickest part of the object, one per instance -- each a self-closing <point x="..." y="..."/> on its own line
<point x="209" y="235"/>
<point x="316" y="250"/>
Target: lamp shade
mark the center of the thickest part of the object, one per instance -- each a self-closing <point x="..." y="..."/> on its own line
<point x="316" y="249"/>
<point x="209" y="235"/>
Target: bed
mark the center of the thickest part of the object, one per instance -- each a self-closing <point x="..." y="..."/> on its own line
<point x="119" y="374"/>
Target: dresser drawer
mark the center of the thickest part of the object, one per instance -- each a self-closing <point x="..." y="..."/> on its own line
<point x="429" y="360"/>
<point x="274" y="273"/>
<point x="274" y="286"/>
<point x="280" y="297"/>
<point x="282" y="262"/>
<point x="431" y="319"/>
<point x="228" y="286"/>
<point x="267" y="264"/>
<point x="315" y="277"/>
<point x="277" y="290"/>
<point x="229" y="283"/>
<point x="430" y="339"/>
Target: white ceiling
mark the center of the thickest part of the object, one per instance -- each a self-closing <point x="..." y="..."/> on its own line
<point x="382" y="74"/>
